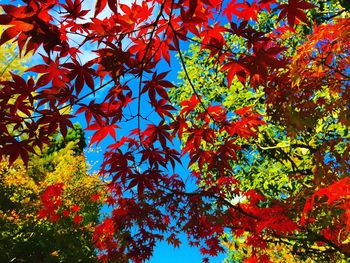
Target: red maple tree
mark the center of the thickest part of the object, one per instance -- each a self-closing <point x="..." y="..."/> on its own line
<point x="133" y="43"/>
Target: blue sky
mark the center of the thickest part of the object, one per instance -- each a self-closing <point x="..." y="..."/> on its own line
<point x="184" y="254"/>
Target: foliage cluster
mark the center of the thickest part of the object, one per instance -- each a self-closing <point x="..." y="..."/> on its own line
<point x="32" y="229"/>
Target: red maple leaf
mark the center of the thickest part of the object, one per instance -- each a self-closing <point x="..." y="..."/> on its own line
<point x="54" y="120"/>
<point x="294" y="10"/>
<point x="102" y="132"/>
<point x="52" y="71"/>
<point x="245" y="11"/>
<point x="156" y="86"/>
<point x="82" y="74"/>
<point x="77" y="219"/>
<point x="162" y="108"/>
<point x="75" y="208"/>
<point x="173" y="240"/>
<point x="95" y="197"/>
<point x="155" y="133"/>
<point x="189" y="105"/>
<point x="74" y="9"/>
<point x="66" y="213"/>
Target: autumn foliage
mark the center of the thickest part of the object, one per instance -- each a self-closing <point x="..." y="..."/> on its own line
<point x="293" y="53"/>
<point x="49" y="208"/>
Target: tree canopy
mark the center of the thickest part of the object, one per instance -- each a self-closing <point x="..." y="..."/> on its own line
<point x="260" y="117"/>
<point x="47" y="210"/>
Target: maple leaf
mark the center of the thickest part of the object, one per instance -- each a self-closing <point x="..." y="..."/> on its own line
<point x="14" y="149"/>
<point x="247" y="125"/>
<point x="173" y="240"/>
<point x="111" y="201"/>
<point x="162" y="108"/>
<point x="156" y="86"/>
<point x="82" y="74"/>
<point x="14" y="16"/>
<point x="189" y="105"/>
<point x="179" y="125"/>
<point x="11" y="32"/>
<point x="154" y="156"/>
<point x="118" y="163"/>
<point x="154" y="133"/>
<point x="258" y="65"/>
<point x="91" y="110"/>
<point x="217" y="112"/>
<point x="65" y="213"/>
<point x="74" y="9"/>
<point x="75" y="208"/>
<point x="338" y="193"/>
<point x="266" y="4"/>
<point x="99" y="6"/>
<point x="201" y="157"/>
<point x="95" y="197"/>
<point x="243" y="11"/>
<point x="54" y="217"/>
<point x="53" y="120"/>
<point x="172" y="155"/>
<point x="212" y="39"/>
<point x="32" y="23"/>
<point x="252" y="36"/>
<point x="235" y="68"/>
<point x="101" y="132"/>
<point x="52" y="71"/>
<point x="294" y="10"/>
<point x="43" y="213"/>
<point x="147" y="180"/>
<point x="77" y="219"/>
